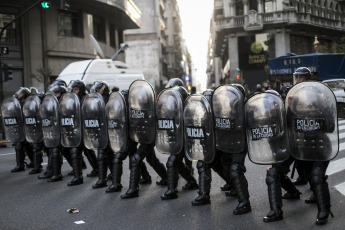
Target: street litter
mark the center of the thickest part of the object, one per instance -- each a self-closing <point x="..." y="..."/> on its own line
<point x="72" y="210"/>
<point x="79" y="222"/>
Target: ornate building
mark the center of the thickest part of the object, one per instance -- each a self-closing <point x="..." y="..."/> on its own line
<point x="244" y="34"/>
<point x="158" y="47"/>
<point x="44" y="40"/>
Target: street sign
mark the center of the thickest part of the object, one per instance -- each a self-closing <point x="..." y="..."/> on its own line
<point x="5" y="51"/>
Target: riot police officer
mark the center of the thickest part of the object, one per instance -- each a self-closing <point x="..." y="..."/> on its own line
<point x="120" y="143"/>
<point x="312" y="124"/>
<point x="228" y="111"/>
<point x="78" y="87"/>
<point x="49" y="111"/>
<point x="98" y="97"/>
<point x="268" y="144"/>
<point x="200" y="143"/>
<point x="14" y="127"/>
<point x="141" y="103"/>
<point x="169" y="136"/>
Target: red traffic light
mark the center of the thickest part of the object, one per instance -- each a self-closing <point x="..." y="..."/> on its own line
<point x="238" y="77"/>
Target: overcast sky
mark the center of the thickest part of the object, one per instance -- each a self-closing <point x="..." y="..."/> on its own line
<point x="195" y="16"/>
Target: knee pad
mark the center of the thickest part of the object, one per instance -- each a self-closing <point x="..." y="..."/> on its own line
<point x="54" y="152"/>
<point x="317" y="176"/>
<point x="201" y="166"/>
<point x="171" y="161"/>
<point x="136" y="158"/>
<point x="18" y="147"/>
<point x="272" y="176"/>
<point x="236" y="170"/>
<point x="119" y="157"/>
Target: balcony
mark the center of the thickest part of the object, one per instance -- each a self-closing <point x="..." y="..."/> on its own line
<point x="256" y="21"/>
<point x="218" y="4"/>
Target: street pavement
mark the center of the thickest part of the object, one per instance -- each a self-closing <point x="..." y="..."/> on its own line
<point x="29" y="203"/>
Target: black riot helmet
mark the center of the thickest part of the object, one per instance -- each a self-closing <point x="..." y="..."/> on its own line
<point x="100" y="87"/>
<point x="240" y="88"/>
<point x="57" y="91"/>
<point x="182" y="91"/>
<point x="174" y="82"/>
<point x="57" y="82"/>
<point x="301" y="74"/>
<point x="22" y="94"/>
<point x="208" y="94"/>
<point x="125" y="93"/>
<point x="78" y="87"/>
<point x="273" y="92"/>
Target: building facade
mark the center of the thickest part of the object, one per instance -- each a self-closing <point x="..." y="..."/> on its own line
<point x="158" y="47"/>
<point x="244" y="34"/>
<point x="45" y="40"/>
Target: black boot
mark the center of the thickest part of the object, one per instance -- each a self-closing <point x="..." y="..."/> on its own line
<point x="133" y="190"/>
<point x="172" y="173"/>
<point x="116" y="185"/>
<point x="20" y="157"/>
<point x="323" y="203"/>
<point x="186" y="174"/>
<point x="292" y="192"/>
<point x="240" y="185"/>
<point x="157" y="166"/>
<point x="226" y="187"/>
<point x="91" y="157"/>
<point x="37" y="162"/>
<point x="102" y="170"/>
<point x="77" y="167"/>
<point x="48" y="173"/>
<point x="205" y="178"/>
<point x="274" y="196"/>
<point x="145" y="176"/>
<point x="56" y="166"/>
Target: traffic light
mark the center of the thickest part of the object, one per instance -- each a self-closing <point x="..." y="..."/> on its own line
<point x="6" y="72"/>
<point x="45" y="4"/>
<point x="238" y="77"/>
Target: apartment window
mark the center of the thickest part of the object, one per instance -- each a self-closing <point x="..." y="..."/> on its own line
<point x="112" y="35"/>
<point x="253" y="5"/>
<point x="120" y="34"/>
<point x="70" y="24"/>
<point x="239" y="8"/>
<point x="99" y="28"/>
<point x="9" y="34"/>
<point x="268" y="6"/>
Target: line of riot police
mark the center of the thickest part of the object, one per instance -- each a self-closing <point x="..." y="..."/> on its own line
<point x="216" y="129"/>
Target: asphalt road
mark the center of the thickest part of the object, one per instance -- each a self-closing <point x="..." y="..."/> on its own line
<point x="29" y="203"/>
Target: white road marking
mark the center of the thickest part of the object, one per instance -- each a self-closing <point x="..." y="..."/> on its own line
<point x="340" y="188"/>
<point x="5" y="154"/>
<point x="336" y="166"/>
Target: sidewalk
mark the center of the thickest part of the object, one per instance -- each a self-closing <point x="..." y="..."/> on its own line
<point x="3" y="143"/>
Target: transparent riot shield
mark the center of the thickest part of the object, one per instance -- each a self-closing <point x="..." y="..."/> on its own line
<point x="169" y="113"/>
<point x="13" y="120"/>
<point x="198" y="129"/>
<point x="94" y="122"/>
<point x="49" y="111"/>
<point x="116" y="114"/>
<point x="70" y="120"/>
<point x="311" y="110"/>
<point x="32" y="119"/>
<point x="228" y="112"/>
<point x="266" y="129"/>
<point x="141" y="102"/>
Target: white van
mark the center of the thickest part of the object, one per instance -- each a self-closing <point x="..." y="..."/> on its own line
<point x="338" y="88"/>
<point x="115" y="73"/>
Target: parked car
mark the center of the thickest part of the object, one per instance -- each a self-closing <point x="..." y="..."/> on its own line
<point x="338" y="87"/>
